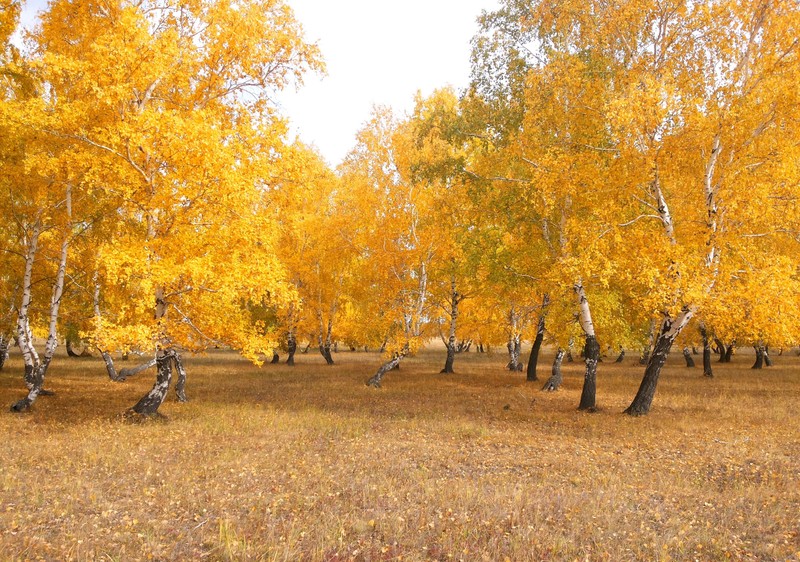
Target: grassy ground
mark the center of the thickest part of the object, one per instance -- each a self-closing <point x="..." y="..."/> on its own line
<point x="306" y="463"/>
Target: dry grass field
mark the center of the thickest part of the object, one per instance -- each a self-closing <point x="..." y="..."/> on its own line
<point x="307" y="463"/>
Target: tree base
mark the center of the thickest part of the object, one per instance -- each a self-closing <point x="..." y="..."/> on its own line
<point x="134" y="417"/>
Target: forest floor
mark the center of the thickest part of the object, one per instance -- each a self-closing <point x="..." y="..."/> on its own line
<point x="307" y="463"/>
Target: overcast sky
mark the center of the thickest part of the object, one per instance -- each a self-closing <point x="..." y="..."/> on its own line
<point x="378" y="52"/>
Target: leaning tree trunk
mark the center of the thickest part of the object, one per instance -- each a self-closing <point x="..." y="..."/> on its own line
<point x="670" y="329"/>
<point x="393" y="363"/>
<point x="125" y="373"/>
<point x="759" y="357"/>
<point x="767" y="358"/>
<point x="707" y="370"/>
<point x="688" y="356"/>
<point x="620" y="357"/>
<point x="533" y="360"/>
<point x="110" y="368"/>
<point x="151" y="402"/>
<point x="591" y="352"/>
<point x="555" y="379"/>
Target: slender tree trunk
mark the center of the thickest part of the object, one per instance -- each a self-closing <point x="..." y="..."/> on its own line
<point x="4" y="344"/>
<point x="759" y="357"/>
<point x="110" y="368"/>
<point x="451" y="357"/>
<point x="533" y="360"/>
<point x="455" y="300"/>
<point x="36" y="377"/>
<point x="291" y="347"/>
<point x="688" y="356"/>
<point x="554" y="382"/>
<point x="767" y="358"/>
<point x="591" y="352"/>
<point x="670" y="329"/>
<point x="107" y="359"/>
<point x="707" y="370"/>
<point x="620" y="357"/>
<point x="393" y="363"/>
<point x="324" y="339"/>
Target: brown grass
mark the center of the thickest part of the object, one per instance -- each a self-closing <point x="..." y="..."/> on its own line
<point x="306" y="463"/>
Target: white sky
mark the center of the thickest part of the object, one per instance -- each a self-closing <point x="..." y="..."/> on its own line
<point x="378" y="52"/>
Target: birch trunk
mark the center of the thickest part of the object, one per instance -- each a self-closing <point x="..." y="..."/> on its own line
<point x="125" y="373"/>
<point x="554" y="382"/>
<point x="180" y="386"/>
<point x="533" y="360"/>
<point x="591" y="351"/>
<point x="107" y="359"/>
<point x="759" y="349"/>
<point x="707" y="370"/>
<point x="291" y="347"/>
<point x="4" y="344"/>
<point x="670" y="329"/>
<point x="450" y="344"/>
<point x="687" y="355"/>
<point x="393" y="363"/>
<point x="149" y="404"/>
<point x="35" y="377"/>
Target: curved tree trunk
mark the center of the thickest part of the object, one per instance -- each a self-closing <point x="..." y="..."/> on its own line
<point x="621" y="357"/>
<point x="670" y="329"/>
<point x="451" y="357"/>
<point x="110" y="368"/>
<point x="688" y="356"/>
<point x="149" y="404"/>
<point x="35" y="376"/>
<point x="70" y="350"/>
<point x="555" y="379"/>
<point x="393" y="363"/>
<point x="533" y="360"/>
